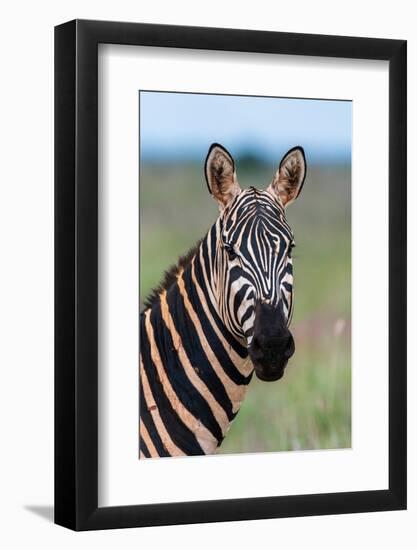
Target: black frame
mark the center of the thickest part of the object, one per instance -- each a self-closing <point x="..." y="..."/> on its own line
<point x="76" y="270"/>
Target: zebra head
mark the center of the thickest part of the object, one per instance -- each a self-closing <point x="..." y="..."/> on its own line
<point x="252" y="265"/>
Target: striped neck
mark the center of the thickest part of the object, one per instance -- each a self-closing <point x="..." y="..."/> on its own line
<point x="194" y="372"/>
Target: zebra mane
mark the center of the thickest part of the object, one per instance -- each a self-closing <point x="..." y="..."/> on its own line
<point x="170" y="276"/>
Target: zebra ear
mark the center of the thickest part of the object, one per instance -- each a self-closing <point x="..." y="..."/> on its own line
<point x="289" y="178"/>
<point x="220" y="175"/>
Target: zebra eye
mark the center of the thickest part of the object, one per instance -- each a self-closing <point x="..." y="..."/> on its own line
<point x="230" y="251"/>
<point x="290" y="249"/>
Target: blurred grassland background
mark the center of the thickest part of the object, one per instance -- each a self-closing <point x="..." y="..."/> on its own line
<point x="310" y="408"/>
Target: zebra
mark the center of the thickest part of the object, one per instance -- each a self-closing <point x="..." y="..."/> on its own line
<point x="221" y="314"/>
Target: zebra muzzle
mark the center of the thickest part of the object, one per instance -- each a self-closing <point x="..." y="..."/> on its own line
<point x="272" y="344"/>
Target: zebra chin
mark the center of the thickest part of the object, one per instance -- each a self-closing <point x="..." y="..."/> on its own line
<point x="272" y="344"/>
<point x="268" y="370"/>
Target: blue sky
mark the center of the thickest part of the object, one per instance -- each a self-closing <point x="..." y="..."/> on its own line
<point x="177" y="126"/>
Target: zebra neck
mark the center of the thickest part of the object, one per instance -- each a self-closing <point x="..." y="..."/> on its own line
<point x="192" y="370"/>
<point x="217" y="365"/>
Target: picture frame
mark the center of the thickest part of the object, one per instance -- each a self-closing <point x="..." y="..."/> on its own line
<point x="76" y="274"/>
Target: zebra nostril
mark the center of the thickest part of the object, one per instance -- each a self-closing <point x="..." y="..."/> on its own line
<point x="256" y="344"/>
<point x="290" y="347"/>
<point x="284" y="344"/>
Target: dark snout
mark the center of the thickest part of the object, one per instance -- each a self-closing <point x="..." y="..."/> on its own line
<point x="272" y="343"/>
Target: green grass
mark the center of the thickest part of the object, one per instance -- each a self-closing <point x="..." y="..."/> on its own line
<point x="310" y="407"/>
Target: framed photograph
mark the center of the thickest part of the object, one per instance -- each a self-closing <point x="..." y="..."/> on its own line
<point x="230" y="252"/>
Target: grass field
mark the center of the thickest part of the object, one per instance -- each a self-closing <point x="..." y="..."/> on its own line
<point x="310" y="408"/>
